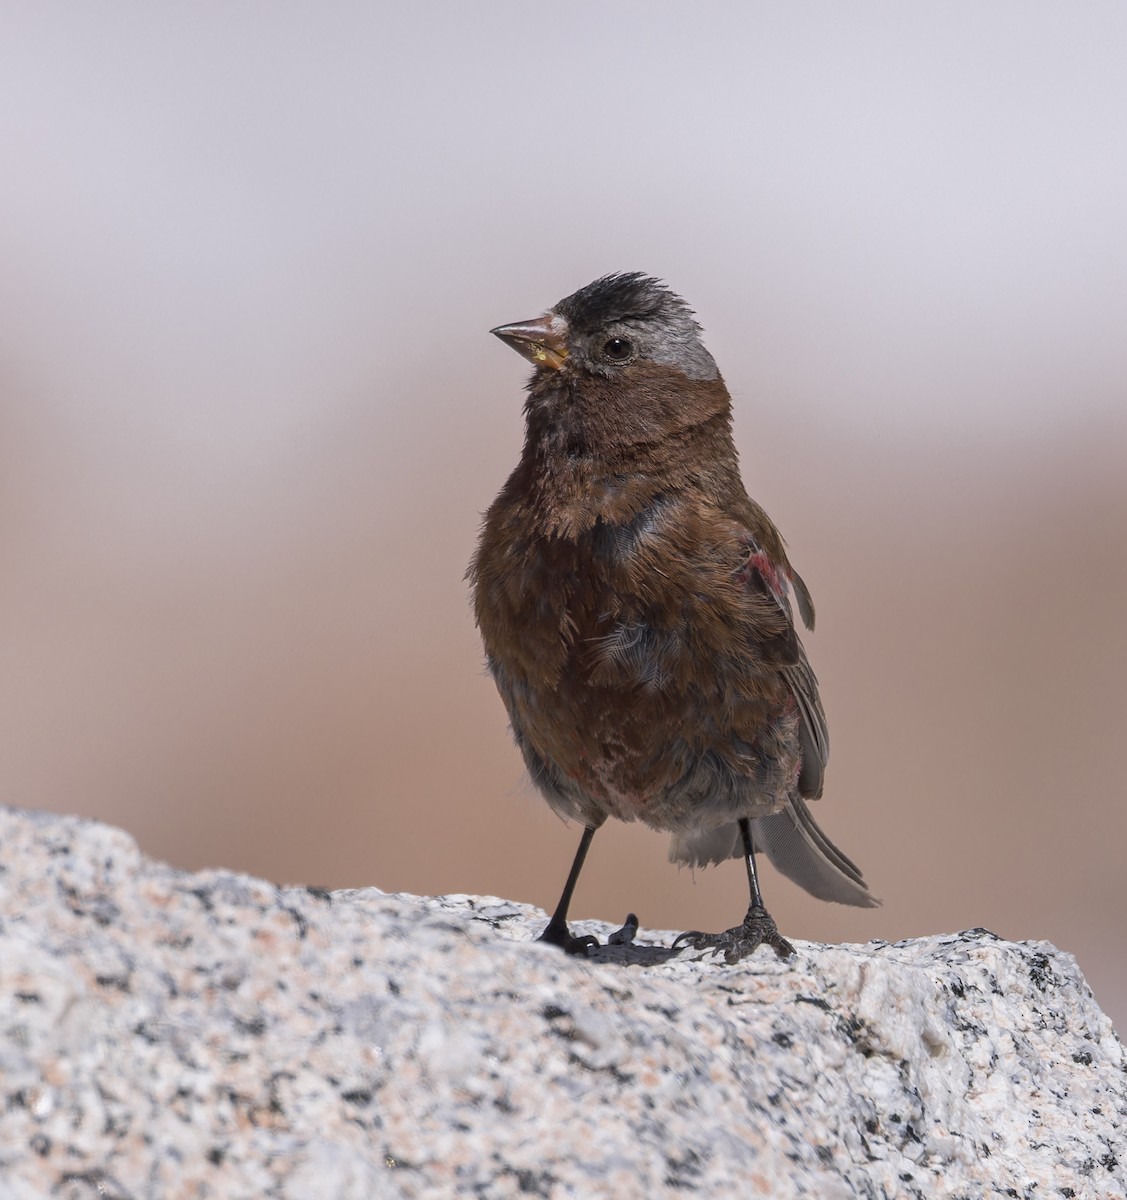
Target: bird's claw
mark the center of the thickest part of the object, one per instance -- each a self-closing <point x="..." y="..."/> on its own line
<point x="560" y="935"/>
<point x="582" y="945"/>
<point x="624" y="936"/>
<point x="758" y="929"/>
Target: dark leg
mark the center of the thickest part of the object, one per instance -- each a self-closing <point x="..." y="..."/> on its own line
<point x="557" y="933"/>
<point x="758" y="920"/>
<point x="758" y="926"/>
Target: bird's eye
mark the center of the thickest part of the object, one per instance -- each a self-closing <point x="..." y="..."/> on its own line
<point x="618" y="350"/>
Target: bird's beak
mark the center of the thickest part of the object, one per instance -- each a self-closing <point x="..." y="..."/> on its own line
<point x="543" y="341"/>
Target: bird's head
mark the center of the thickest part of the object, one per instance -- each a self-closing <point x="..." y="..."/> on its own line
<point x="611" y="326"/>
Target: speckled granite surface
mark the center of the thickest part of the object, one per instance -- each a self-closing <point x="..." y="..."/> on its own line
<point x="167" y="1035"/>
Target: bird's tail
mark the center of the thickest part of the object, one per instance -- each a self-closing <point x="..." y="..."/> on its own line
<point x="795" y="845"/>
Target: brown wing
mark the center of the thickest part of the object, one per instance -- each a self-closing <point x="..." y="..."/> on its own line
<point x="791" y="838"/>
<point x="771" y="579"/>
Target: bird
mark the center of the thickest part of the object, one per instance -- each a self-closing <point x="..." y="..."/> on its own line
<point x="636" y="611"/>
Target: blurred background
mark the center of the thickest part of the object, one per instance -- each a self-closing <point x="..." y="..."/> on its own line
<point x="250" y="414"/>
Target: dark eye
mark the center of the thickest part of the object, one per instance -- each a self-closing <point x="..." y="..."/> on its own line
<point x="618" y="350"/>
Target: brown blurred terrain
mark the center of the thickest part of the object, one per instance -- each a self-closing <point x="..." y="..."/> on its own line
<point x="250" y="412"/>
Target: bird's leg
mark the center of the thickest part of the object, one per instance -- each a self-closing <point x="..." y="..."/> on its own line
<point x="557" y="933"/>
<point x="758" y="927"/>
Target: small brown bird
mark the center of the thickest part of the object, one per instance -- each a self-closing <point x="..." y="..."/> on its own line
<point x="635" y="606"/>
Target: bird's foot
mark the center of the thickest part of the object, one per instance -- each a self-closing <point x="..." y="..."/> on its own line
<point x="758" y="929"/>
<point x="557" y="934"/>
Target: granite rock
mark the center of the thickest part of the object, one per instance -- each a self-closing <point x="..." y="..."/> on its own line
<point x="166" y="1035"/>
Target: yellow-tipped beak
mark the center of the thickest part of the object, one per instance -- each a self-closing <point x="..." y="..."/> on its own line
<point x="543" y="341"/>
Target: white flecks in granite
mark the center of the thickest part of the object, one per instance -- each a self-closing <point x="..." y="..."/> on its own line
<point x="165" y="1035"/>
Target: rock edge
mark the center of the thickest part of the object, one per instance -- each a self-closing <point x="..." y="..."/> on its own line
<point x="165" y="1034"/>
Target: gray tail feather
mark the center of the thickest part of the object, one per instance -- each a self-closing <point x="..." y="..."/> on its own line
<point x="795" y="845"/>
